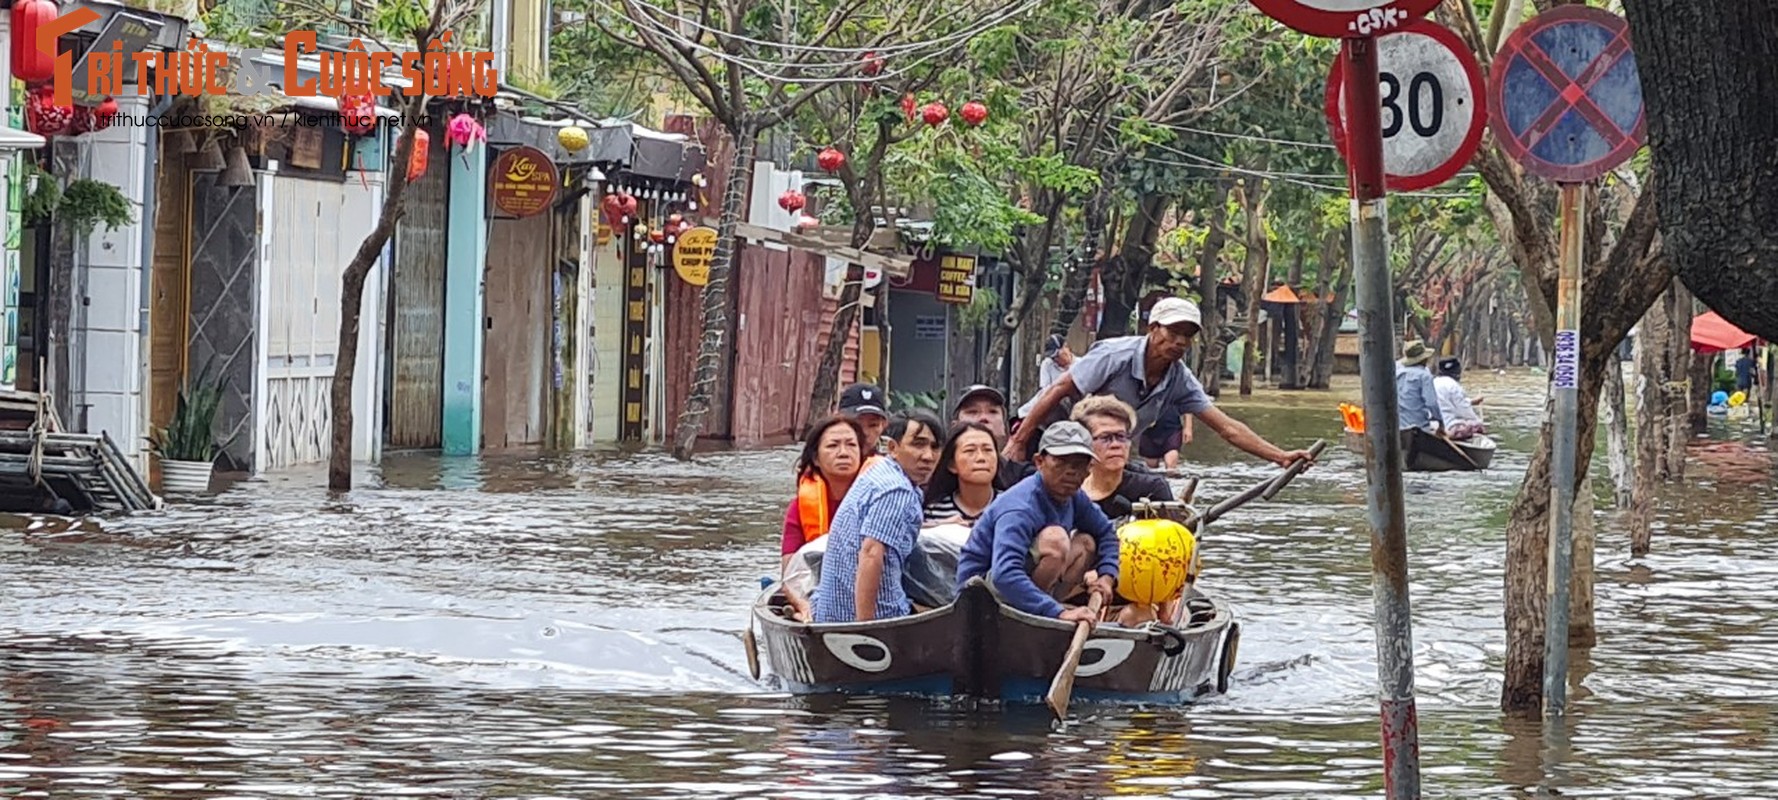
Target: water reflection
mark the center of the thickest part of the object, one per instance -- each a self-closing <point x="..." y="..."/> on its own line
<point x="569" y="627"/>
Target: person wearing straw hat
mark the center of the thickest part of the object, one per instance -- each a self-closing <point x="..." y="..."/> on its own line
<point x="1415" y="394"/>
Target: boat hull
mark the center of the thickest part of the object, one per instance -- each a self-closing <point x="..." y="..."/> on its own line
<point x="1425" y="452"/>
<point x="978" y="647"/>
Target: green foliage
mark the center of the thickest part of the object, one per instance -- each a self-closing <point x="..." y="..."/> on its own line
<point x="41" y="198"/>
<point x="984" y="304"/>
<point x="82" y="204"/>
<point x="190" y="436"/>
<point x="917" y="401"/>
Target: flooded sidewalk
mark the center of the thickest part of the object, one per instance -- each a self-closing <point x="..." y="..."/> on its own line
<point x="570" y="627"/>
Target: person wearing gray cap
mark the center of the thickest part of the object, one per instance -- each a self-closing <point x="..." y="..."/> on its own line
<point x="1147" y="372"/>
<point x="1043" y="540"/>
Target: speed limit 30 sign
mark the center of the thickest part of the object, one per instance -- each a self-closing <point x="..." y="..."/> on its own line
<point x="1433" y="105"/>
<point x="1339" y="19"/>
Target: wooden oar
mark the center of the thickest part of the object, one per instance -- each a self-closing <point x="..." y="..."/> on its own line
<point x="1296" y="468"/>
<point x="1062" y="686"/>
<point x="1268" y="489"/>
<point x="1446" y="438"/>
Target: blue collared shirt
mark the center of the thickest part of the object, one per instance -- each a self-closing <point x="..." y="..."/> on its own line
<point x="1417" y="397"/>
<point x="882" y="505"/>
<point x="1115" y="367"/>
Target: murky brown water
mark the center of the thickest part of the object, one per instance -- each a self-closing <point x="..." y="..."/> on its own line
<point x="570" y="628"/>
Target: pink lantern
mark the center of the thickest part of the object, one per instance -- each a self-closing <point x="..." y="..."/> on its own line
<point x="43" y="116"/>
<point x="464" y="131"/>
<point x="358" y="114"/>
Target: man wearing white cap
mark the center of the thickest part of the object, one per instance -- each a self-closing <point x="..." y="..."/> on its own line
<point x="1146" y="372"/>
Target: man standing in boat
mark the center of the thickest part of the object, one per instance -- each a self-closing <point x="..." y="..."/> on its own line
<point x="876" y="529"/>
<point x="1044" y="540"/>
<point x="1415" y="394"/>
<point x="1147" y="372"/>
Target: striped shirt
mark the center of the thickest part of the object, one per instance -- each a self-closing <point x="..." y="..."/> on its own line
<point x="882" y="505"/>
<point x="947" y="508"/>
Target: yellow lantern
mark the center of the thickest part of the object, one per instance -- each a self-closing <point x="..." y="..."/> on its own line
<point x="573" y="138"/>
<point x="1153" y="558"/>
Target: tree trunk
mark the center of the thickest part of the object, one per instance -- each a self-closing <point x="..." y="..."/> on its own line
<point x="1208" y="364"/>
<point x="345" y="362"/>
<point x="1678" y="378"/>
<point x="1582" y="632"/>
<point x="1618" y="290"/>
<point x="1711" y="84"/>
<point x="1652" y="425"/>
<point x="1333" y="250"/>
<point x="1126" y="273"/>
<point x="714" y="344"/>
<point x="1617" y="433"/>
<point x="1254" y="272"/>
<point x="1702" y="376"/>
<point x="827" y="372"/>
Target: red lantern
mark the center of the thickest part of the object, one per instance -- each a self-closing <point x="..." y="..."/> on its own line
<point x="831" y="160"/>
<point x="792" y="201"/>
<point x="873" y="64"/>
<point x="416" y="160"/>
<point x="28" y="63"/>
<point x="358" y="114"/>
<point x="613" y="206"/>
<point x="675" y="219"/>
<point x="43" y="116"/>
<point x="907" y="106"/>
<point x="935" y="114"/>
<point x="629" y="206"/>
<point x="105" y="114"/>
<point x="657" y="235"/>
<point x="973" y="113"/>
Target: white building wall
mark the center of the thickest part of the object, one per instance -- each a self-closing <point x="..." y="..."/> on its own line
<point x="109" y="321"/>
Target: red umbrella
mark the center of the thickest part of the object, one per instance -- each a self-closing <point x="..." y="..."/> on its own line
<point x="1713" y="334"/>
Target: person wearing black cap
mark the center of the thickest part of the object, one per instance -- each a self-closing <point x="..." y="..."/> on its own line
<point x="986" y="405"/>
<point x="863" y="403"/>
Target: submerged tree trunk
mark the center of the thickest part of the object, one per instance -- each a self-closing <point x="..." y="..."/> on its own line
<point x="1617" y="433"/>
<point x="714" y="344"/>
<point x="1618" y="290"/>
<point x="845" y="318"/>
<point x="345" y="362"/>
<point x="1677" y="377"/>
<point x="1653" y="427"/>
<point x="1708" y="73"/>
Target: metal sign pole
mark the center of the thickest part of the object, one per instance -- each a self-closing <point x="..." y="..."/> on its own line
<point x="1382" y="463"/>
<point x="1566" y="385"/>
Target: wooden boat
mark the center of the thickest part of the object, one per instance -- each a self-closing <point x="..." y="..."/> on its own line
<point x="982" y="648"/>
<point x="1426" y="452"/>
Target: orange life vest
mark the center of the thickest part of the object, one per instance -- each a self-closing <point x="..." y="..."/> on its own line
<point x="812" y="503"/>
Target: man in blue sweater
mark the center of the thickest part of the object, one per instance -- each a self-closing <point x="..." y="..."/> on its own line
<point x="1043" y="539"/>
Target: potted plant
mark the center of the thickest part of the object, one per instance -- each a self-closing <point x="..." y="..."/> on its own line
<point x="187" y="447"/>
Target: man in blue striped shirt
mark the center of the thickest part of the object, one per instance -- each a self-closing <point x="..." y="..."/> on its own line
<point x="876" y="529"/>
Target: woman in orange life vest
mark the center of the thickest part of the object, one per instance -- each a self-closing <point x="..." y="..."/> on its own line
<point x="833" y="456"/>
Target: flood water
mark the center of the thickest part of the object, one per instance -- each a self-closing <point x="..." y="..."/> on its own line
<point x="570" y="628"/>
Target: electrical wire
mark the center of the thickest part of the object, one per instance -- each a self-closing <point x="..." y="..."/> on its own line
<point x="760" y="67"/>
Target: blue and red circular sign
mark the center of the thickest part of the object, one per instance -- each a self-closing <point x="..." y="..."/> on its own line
<point x="1566" y="100"/>
<point x="1345" y="19"/>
